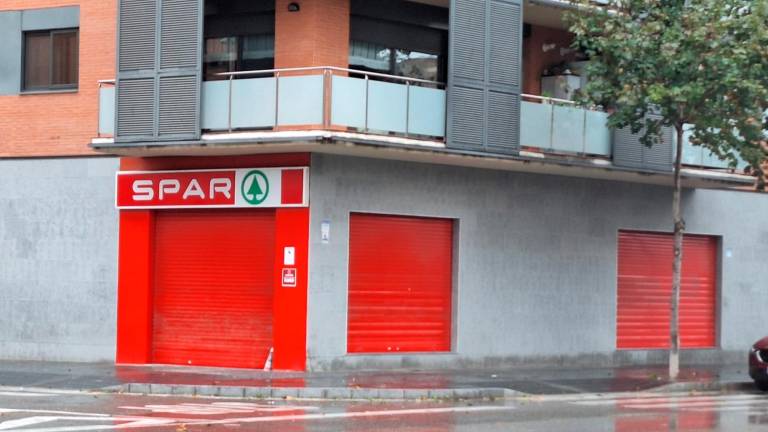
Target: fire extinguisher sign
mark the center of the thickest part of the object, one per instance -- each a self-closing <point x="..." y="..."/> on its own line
<point x="289" y="277"/>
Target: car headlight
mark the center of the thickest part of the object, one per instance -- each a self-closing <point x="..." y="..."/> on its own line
<point x="756" y="352"/>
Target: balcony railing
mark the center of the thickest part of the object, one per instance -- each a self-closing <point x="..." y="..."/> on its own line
<point x="326" y="97"/>
<point x="559" y="126"/>
<point x="369" y="102"/>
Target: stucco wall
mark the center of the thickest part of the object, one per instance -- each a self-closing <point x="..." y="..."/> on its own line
<point x="537" y="259"/>
<point x="58" y="265"/>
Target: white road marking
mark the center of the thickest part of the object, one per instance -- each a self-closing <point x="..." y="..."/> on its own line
<point x="142" y="422"/>
<point x="24" y="394"/>
<point x="70" y="413"/>
<point x="43" y="391"/>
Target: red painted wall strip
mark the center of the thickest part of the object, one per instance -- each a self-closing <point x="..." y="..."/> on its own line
<point x="134" y="287"/>
<point x="290" y="315"/>
<point x="292" y="186"/>
<point x="214" y="162"/>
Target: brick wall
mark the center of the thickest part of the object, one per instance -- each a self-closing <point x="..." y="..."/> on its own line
<point x="317" y="35"/>
<point x="62" y="124"/>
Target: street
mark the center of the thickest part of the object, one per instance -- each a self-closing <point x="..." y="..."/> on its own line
<point x="65" y="411"/>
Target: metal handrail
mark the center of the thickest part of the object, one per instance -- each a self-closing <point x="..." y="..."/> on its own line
<point x="547" y="99"/>
<point x="329" y="68"/>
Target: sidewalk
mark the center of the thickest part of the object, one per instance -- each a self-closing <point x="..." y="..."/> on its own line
<point x="391" y="384"/>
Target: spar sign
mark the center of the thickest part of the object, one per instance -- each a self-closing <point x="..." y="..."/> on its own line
<point x="241" y="187"/>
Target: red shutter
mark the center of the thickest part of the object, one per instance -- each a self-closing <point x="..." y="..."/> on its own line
<point x="645" y="287"/>
<point x="400" y="271"/>
<point x="213" y="287"/>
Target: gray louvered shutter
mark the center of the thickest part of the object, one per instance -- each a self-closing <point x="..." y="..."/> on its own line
<point x="629" y="152"/>
<point x="484" y="75"/>
<point x="159" y="70"/>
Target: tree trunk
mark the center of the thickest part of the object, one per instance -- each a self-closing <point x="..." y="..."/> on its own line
<point x="674" y="327"/>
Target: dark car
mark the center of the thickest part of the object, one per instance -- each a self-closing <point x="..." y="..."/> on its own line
<point x="758" y="363"/>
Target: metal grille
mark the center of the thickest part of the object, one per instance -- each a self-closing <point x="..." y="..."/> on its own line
<point x="484" y="79"/>
<point x="137" y="35"/>
<point x="178" y="105"/>
<point x="505" y="44"/>
<point x="468" y="32"/>
<point x="467" y="125"/>
<point x="180" y="39"/>
<point x="135" y="109"/>
<point x="503" y="120"/>
<point x="629" y="152"/>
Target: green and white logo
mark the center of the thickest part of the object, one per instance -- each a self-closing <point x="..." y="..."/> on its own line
<point x="255" y="187"/>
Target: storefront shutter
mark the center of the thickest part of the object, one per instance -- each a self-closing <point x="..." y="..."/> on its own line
<point x="400" y="271"/>
<point x="645" y="287"/>
<point x="213" y="287"/>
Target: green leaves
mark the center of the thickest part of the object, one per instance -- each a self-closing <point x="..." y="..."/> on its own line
<point x="705" y="65"/>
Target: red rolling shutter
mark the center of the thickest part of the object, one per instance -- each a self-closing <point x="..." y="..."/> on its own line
<point x="645" y="287"/>
<point x="213" y="287"/>
<point x="400" y="271"/>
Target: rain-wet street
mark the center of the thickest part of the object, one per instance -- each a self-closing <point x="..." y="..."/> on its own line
<point x="60" y="411"/>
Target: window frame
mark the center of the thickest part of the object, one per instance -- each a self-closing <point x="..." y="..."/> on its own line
<point x="50" y="87"/>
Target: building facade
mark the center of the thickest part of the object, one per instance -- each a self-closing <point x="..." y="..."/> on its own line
<point x="58" y="231"/>
<point x="335" y="184"/>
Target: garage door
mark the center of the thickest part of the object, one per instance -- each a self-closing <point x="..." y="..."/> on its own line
<point x="400" y="271"/>
<point x="213" y="287"/>
<point x="645" y="287"/>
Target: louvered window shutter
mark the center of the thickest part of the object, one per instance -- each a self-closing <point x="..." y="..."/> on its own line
<point x="629" y="152"/>
<point x="159" y="70"/>
<point x="484" y="75"/>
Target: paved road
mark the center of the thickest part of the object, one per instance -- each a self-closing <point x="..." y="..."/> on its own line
<point x="44" y="411"/>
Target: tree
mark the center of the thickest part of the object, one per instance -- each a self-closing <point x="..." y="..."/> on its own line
<point x="699" y="66"/>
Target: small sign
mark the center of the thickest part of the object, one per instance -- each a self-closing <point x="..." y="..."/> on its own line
<point x="289" y="255"/>
<point x="289" y="277"/>
<point x="325" y="231"/>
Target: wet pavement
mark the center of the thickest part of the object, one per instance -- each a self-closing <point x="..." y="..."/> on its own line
<point x="60" y="411"/>
<point x="537" y="381"/>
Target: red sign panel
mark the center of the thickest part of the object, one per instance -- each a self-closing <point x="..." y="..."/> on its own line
<point x="206" y="188"/>
<point x="257" y="187"/>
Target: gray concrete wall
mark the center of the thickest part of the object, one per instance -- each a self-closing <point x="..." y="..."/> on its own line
<point x="58" y="259"/>
<point x="537" y="260"/>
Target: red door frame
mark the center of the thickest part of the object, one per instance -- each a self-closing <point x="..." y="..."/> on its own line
<point x="134" y="284"/>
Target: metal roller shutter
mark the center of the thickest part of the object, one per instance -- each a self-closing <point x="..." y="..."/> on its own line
<point x="213" y="287"/>
<point x="400" y="271"/>
<point x="645" y="287"/>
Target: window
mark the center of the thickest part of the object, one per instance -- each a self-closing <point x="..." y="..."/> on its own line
<point x="394" y="61"/>
<point x="50" y="60"/>
<point x="238" y="53"/>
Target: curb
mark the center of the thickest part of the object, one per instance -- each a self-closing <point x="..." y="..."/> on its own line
<point x="336" y="393"/>
<point x="704" y="386"/>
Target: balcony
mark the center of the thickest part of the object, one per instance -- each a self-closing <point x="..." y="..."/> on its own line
<point x="384" y="106"/>
<point x="559" y="126"/>
<point x="327" y="98"/>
